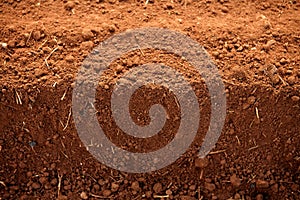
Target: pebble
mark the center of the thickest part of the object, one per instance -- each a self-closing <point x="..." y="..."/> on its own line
<point x="239" y="73"/>
<point x="209" y="186"/>
<point x="283" y="61"/>
<point x="114" y="187"/>
<point x="259" y="197"/>
<point x="215" y="54"/>
<point x="261" y="184"/>
<point x="224" y="9"/>
<point x="83" y="195"/>
<point x="87" y="34"/>
<point x="157" y="188"/>
<point x="291" y="80"/>
<point x="70" y="58"/>
<point x="43" y="180"/>
<point x="36" y="35"/>
<point x="106" y="193"/>
<point x="135" y="185"/>
<point x="69" y="5"/>
<point x="235" y="181"/>
<point x="295" y="98"/>
<point x="88" y="45"/>
<point x="269" y="44"/>
<point x="11" y="43"/>
<point x="35" y="185"/>
<point x="251" y="100"/>
<point x="201" y="162"/>
<point x="187" y="198"/>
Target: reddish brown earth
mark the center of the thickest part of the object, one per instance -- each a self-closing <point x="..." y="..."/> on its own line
<point x="255" y="45"/>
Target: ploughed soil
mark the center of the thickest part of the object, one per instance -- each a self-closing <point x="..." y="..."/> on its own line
<point x="255" y="45"/>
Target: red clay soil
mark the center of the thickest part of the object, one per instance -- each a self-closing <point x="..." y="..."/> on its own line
<point x="255" y="45"/>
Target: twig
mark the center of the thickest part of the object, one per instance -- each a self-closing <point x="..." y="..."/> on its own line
<point x="216" y="152"/>
<point x="253" y="148"/>
<point x="69" y="116"/>
<point x="2" y="183"/>
<point x="160" y="196"/>
<point x="42" y="44"/>
<point x="18" y="99"/>
<point x="201" y="174"/>
<point x="256" y="112"/>
<point x="284" y="83"/>
<point x="97" y="196"/>
<point x="239" y="143"/>
<point x="59" y="184"/>
<point x="29" y="37"/>
<point x="46" y="59"/>
<point x="63" y="96"/>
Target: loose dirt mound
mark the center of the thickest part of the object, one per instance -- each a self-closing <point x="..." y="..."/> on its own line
<point x="255" y="46"/>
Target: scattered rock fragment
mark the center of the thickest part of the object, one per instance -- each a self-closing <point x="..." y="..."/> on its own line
<point x="295" y="98"/>
<point x="261" y="184"/>
<point x="269" y="44"/>
<point x="209" y="186"/>
<point x="135" y="186"/>
<point x="235" y="181"/>
<point x="106" y="193"/>
<point x="35" y="185"/>
<point x="87" y="34"/>
<point x="157" y="188"/>
<point x="83" y="195"/>
<point x="70" y="58"/>
<point x="201" y="162"/>
<point x="36" y="35"/>
<point x="69" y="5"/>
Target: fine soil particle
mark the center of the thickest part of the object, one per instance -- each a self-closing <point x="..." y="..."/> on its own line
<point x="254" y="44"/>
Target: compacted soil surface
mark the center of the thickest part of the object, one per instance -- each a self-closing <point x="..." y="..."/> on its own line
<point x="255" y="45"/>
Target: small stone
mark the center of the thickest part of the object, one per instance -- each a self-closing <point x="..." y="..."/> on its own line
<point x="235" y="181"/>
<point x="43" y="180"/>
<point x="269" y="44"/>
<point x="209" y="186"/>
<point x="251" y="100"/>
<point x="187" y="198"/>
<point x="224" y="9"/>
<point x="169" y="192"/>
<point x="237" y="196"/>
<point x="114" y="187"/>
<point x="168" y="6"/>
<point x="295" y="98"/>
<point x="241" y="48"/>
<point x="35" y="185"/>
<point x="106" y="193"/>
<point x="201" y="162"/>
<point x="238" y="73"/>
<point x="83" y="195"/>
<point x="70" y="58"/>
<point x="135" y="186"/>
<point x="88" y="45"/>
<point x="157" y="188"/>
<point x="40" y="72"/>
<point x="283" y="61"/>
<point x="11" y="43"/>
<point x="261" y="184"/>
<point x="215" y="54"/>
<point x="87" y="34"/>
<point x="69" y="5"/>
<point x="291" y="80"/>
<point x="36" y="35"/>
<point x="259" y="197"/>
<point x="295" y="187"/>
